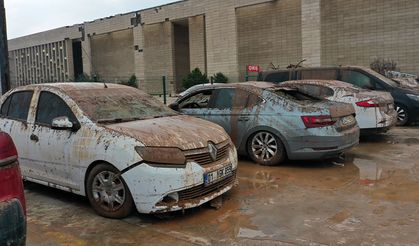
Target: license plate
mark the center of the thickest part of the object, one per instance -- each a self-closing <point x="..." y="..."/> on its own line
<point x="217" y="175"/>
<point x="348" y="120"/>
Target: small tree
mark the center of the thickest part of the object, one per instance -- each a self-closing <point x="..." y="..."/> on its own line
<point x="383" y="65"/>
<point x="195" y="77"/>
<point x="220" y="78"/>
<point x="133" y="81"/>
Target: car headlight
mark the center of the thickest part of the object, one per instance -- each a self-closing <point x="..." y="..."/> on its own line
<point x="161" y="156"/>
<point x="413" y="97"/>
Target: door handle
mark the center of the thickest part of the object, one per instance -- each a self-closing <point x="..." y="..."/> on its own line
<point x="34" y="138"/>
<point x="244" y="118"/>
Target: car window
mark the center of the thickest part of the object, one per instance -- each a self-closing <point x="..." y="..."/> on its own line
<point x="224" y="98"/>
<point x="5" y="106"/>
<point x="200" y="100"/>
<point x="19" y="105"/>
<point x="317" y="91"/>
<point x="358" y="79"/>
<point x="51" y="106"/>
<point x="278" y="77"/>
<point x="326" y="74"/>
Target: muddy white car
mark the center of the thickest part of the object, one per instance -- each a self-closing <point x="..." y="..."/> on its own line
<point x="374" y="109"/>
<point x="117" y="146"/>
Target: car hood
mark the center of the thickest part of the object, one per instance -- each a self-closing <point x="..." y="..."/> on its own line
<point x="184" y="132"/>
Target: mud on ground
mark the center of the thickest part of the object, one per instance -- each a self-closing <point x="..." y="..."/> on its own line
<point x="371" y="200"/>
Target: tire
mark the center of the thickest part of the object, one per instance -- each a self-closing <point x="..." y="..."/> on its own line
<point x="402" y="115"/>
<point x="265" y="149"/>
<point x="100" y="192"/>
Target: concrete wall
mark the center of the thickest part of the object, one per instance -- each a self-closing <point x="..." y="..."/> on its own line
<point x="197" y="45"/>
<point x="113" y="56"/>
<point x="158" y="56"/>
<point x="356" y="32"/>
<point x="269" y="33"/>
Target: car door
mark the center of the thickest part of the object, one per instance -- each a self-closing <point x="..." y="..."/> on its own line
<point x="51" y="149"/>
<point x="15" y="114"/>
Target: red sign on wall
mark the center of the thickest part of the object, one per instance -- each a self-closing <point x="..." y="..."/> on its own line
<point x="253" y="68"/>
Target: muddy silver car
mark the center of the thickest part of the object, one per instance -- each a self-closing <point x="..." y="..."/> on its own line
<point x="374" y="109"/>
<point x="270" y="124"/>
<point x="117" y="146"/>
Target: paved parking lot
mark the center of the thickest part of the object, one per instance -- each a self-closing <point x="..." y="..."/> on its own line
<point x="372" y="199"/>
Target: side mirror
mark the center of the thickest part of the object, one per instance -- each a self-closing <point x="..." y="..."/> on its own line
<point x="63" y="123"/>
<point x="174" y="106"/>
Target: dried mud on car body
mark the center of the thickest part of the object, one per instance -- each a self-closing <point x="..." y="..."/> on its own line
<point x="372" y="199"/>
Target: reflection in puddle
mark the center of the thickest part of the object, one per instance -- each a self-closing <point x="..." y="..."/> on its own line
<point x="369" y="171"/>
<point x="249" y="233"/>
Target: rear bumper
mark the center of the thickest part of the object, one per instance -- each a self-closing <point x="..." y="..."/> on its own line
<point x="322" y="147"/>
<point x="12" y="223"/>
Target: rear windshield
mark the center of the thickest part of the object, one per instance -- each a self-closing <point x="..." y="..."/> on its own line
<point x="295" y="95"/>
<point x="112" y="105"/>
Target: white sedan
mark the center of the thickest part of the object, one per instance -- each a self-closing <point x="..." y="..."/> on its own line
<point x="374" y="109"/>
<point x="117" y="146"/>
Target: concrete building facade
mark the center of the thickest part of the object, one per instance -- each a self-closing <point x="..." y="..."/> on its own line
<point x="220" y="36"/>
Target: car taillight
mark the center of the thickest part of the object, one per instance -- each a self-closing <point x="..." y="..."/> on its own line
<point x="8" y="151"/>
<point x="318" y="121"/>
<point x="368" y="104"/>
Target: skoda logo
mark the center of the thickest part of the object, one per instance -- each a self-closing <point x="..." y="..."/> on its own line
<point x="212" y="151"/>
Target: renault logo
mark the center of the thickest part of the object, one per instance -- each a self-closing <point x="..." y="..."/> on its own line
<point x="212" y="151"/>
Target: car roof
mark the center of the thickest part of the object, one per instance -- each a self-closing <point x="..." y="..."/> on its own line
<point x="316" y="68"/>
<point x="330" y="83"/>
<point x="74" y="86"/>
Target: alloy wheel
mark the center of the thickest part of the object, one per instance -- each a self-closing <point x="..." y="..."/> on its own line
<point x="108" y="191"/>
<point x="264" y="146"/>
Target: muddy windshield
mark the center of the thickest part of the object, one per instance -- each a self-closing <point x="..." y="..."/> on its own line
<point x="381" y="77"/>
<point x="119" y="105"/>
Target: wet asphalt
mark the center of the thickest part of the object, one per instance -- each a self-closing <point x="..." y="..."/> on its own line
<point x="371" y="198"/>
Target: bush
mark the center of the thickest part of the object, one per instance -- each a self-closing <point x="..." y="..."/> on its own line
<point x="86" y="78"/>
<point x="220" y="78"/>
<point x="195" y="77"/>
<point x="383" y="65"/>
<point x="132" y="81"/>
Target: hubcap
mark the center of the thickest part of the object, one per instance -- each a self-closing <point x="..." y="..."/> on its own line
<point x="108" y="190"/>
<point x="401" y="114"/>
<point x="264" y="146"/>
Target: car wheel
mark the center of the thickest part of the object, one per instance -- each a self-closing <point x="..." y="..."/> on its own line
<point x="266" y="149"/>
<point x="402" y="115"/>
<point x="108" y="193"/>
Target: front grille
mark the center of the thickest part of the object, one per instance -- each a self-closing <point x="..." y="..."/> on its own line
<point x="203" y="157"/>
<point x="202" y="190"/>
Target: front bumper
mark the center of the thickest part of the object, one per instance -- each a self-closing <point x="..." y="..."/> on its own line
<point x="162" y="189"/>
<point x="324" y="146"/>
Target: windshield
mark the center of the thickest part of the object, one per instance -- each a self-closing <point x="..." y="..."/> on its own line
<point x="381" y="77"/>
<point x="119" y="105"/>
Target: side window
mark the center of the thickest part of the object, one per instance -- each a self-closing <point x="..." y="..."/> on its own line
<point x="326" y="74"/>
<point x="224" y="98"/>
<point x="51" y="106"/>
<point x="317" y="91"/>
<point x="19" y="105"/>
<point x="357" y="79"/>
<point x="5" y="106"/>
<point x="200" y="100"/>
<point x="278" y="77"/>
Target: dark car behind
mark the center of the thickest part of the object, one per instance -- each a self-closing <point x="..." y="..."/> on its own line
<point x="12" y="199"/>
<point x="406" y="99"/>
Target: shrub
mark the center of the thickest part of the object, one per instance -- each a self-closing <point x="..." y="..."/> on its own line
<point x="132" y="81"/>
<point x="383" y="65"/>
<point x="220" y="78"/>
<point x="195" y="77"/>
<point x="86" y="78"/>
